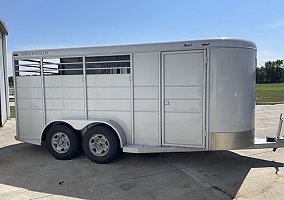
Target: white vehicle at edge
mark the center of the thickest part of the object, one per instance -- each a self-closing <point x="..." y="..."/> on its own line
<point x="164" y="97"/>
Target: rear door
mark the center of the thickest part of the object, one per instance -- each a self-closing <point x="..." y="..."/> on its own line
<point x="183" y="96"/>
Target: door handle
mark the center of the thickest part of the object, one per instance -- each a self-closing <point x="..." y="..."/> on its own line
<point x="167" y="103"/>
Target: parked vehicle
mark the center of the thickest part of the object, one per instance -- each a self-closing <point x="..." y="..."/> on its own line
<point x="144" y="98"/>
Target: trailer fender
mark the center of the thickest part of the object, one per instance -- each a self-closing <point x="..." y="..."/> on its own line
<point x="82" y="124"/>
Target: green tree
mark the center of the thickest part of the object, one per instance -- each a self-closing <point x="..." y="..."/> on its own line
<point x="271" y="72"/>
<point x="261" y="75"/>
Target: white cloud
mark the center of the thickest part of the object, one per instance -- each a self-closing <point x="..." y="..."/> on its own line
<point x="279" y="23"/>
<point x="276" y="24"/>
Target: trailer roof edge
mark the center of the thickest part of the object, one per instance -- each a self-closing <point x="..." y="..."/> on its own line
<point x="3" y="27"/>
<point x="144" y="47"/>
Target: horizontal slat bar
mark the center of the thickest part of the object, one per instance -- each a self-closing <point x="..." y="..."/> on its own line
<point x="115" y="61"/>
<point x="94" y="68"/>
<point x="73" y="63"/>
<point x="75" y="69"/>
<point x="27" y="71"/>
<point x="27" y="65"/>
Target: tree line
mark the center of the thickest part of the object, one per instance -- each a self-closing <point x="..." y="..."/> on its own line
<point x="271" y="72"/>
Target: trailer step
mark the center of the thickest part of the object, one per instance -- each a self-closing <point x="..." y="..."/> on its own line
<point x="262" y="143"/>
<point x="271" y="142"/>
<point x="270" y="139"/>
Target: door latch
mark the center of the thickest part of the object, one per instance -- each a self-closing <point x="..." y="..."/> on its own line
<point x="167" y="103"/>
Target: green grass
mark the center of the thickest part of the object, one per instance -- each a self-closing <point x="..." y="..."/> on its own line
<point x="12" y="112"/>
<point x="270" y="92"/>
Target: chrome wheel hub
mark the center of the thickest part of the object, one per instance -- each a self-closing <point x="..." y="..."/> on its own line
<point x="60" y="142"/>
<point x="99" y="145"/>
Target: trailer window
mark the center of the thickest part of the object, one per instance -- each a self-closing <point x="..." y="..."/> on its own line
<point x="63" y="66"/>
<point x="51" y="66"/>
<point x="27" y="67"/>
<point x="115" y="64"/>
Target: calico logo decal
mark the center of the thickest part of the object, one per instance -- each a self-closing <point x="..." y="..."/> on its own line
<point x="33" y="53"/>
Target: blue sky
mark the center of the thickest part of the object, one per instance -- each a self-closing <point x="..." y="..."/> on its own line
<point x="69" y="23"/>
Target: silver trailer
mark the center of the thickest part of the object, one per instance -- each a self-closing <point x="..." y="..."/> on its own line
<point x="4" y="95"/>
<point x="164" y="97"/>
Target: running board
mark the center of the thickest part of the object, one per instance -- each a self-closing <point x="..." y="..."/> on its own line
<point x="260" y="143"/>
<point x="157" y="149"/>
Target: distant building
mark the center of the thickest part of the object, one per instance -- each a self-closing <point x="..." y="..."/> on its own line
<point x="4" y="95"/>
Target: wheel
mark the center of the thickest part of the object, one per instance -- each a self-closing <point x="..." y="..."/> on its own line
<point x="100" y="144"/>
<point x="62" y="142"/>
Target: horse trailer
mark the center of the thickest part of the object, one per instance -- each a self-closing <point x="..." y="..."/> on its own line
<point x="145" y="98"/>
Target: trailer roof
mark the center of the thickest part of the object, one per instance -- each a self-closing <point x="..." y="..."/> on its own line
<point x="3" y="27"/>
<point x="147" y="47"/>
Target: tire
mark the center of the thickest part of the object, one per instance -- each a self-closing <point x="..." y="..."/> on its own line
<point x="100" y="144"/>
<point x="62" y="142"/>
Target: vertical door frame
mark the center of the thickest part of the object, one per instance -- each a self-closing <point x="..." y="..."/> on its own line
<point x="204" y="97"/>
